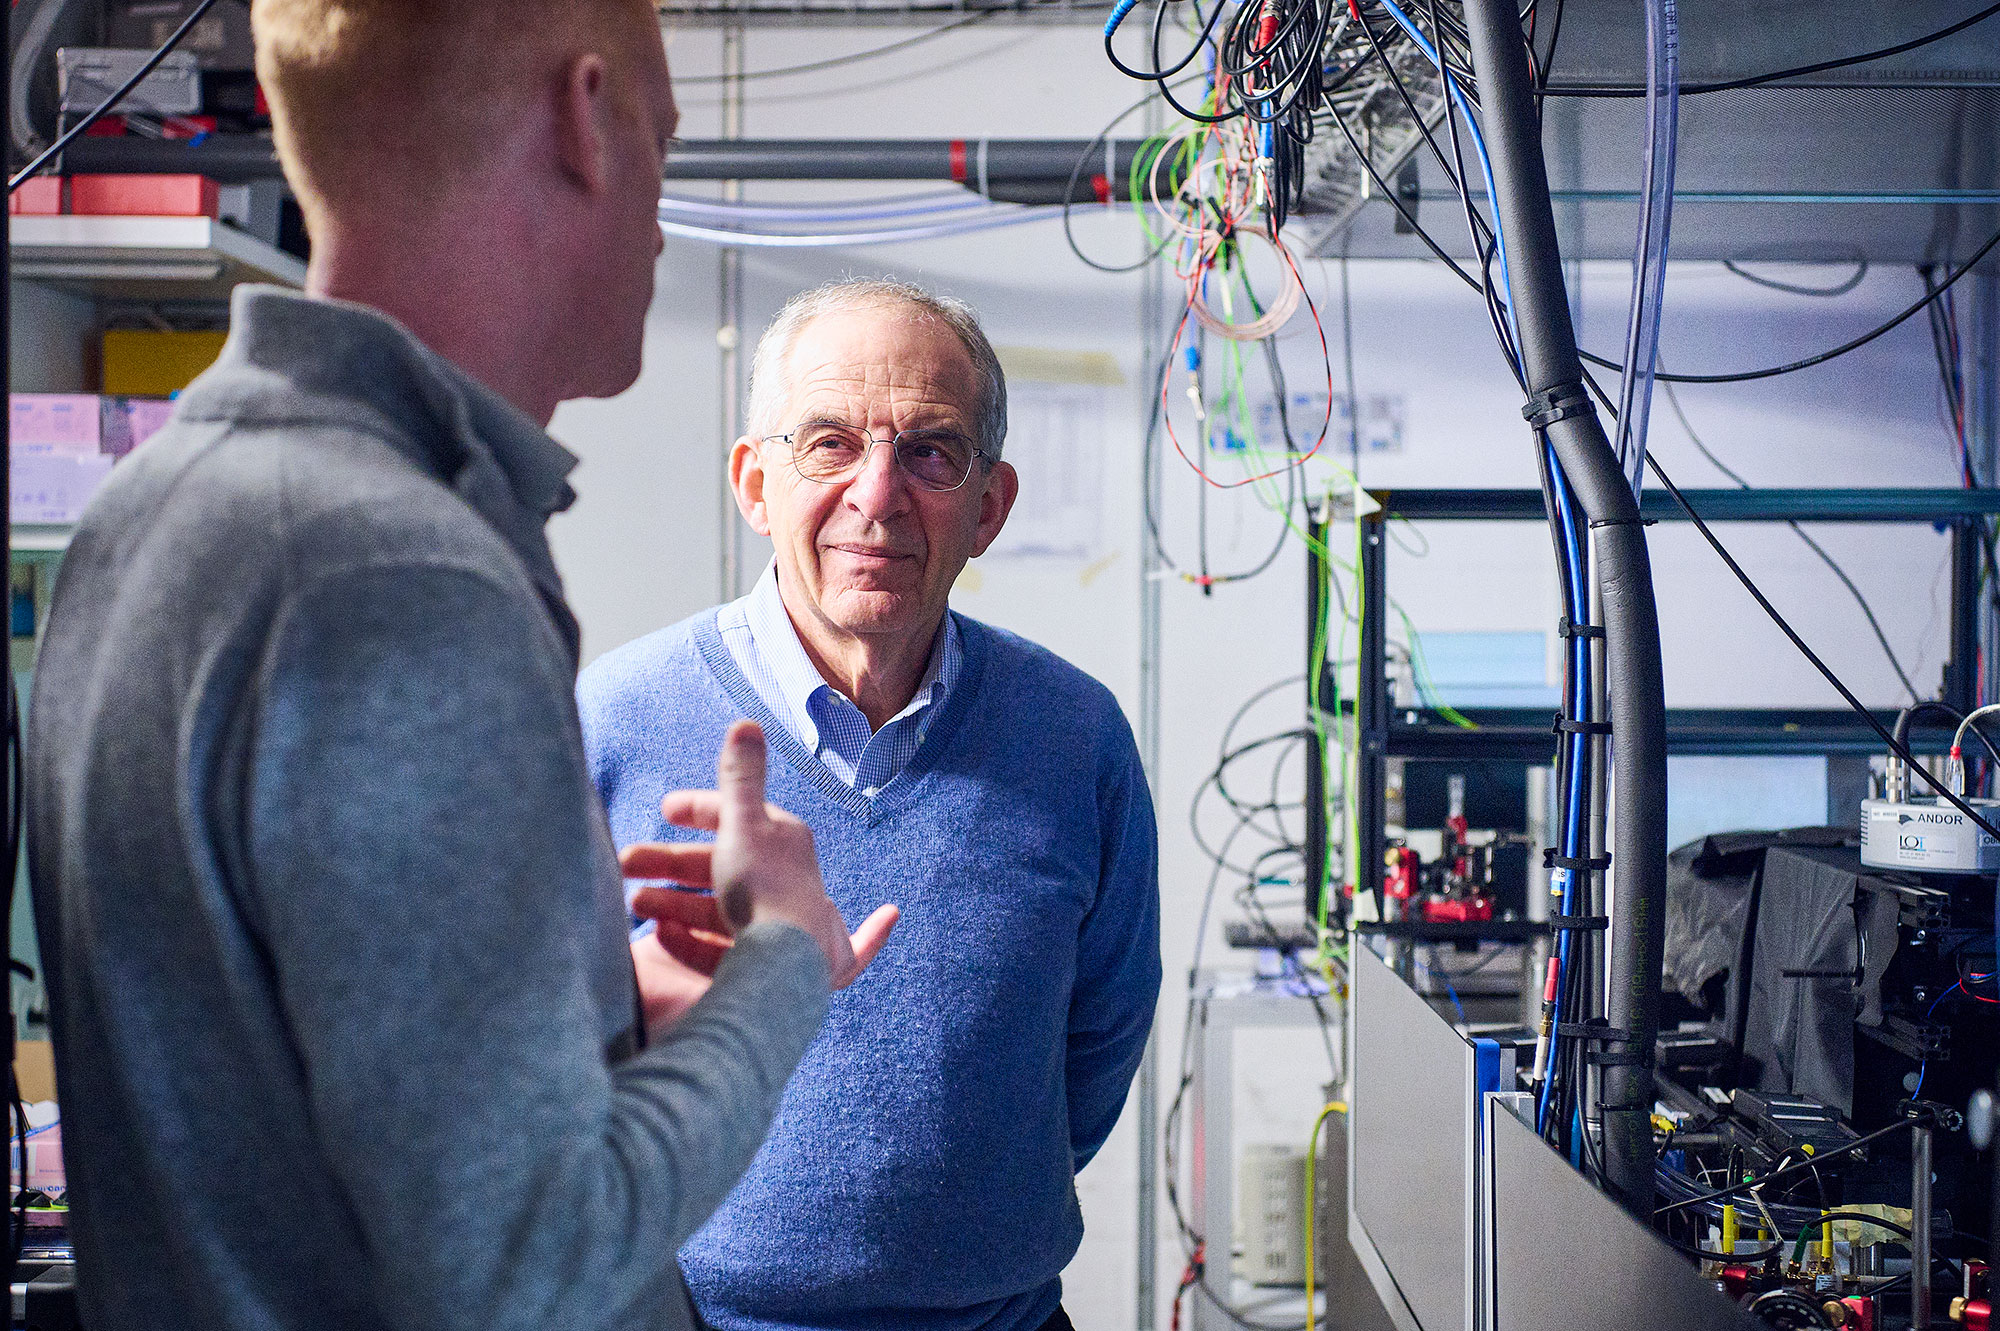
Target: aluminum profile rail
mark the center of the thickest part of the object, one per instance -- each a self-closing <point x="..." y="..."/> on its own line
<point x="1759" y="505"/>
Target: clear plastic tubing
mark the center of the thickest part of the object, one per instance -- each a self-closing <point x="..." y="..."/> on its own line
<point x="1649" y="265"/>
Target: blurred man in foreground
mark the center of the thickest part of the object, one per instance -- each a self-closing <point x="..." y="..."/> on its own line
<point x="344" y="1004"/>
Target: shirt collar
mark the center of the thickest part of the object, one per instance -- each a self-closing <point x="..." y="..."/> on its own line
<point x="445" y="420"/>
<point x="294" y="361"/>
<point x="777" y="641"/>
<point x="936" y="682"/>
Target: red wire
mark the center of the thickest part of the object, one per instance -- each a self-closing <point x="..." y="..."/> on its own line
<point x="1189" y="1275"/>
<point x="1166" y="380"/>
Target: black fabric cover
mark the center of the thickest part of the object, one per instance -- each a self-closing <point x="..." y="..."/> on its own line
<point x="1709" y="889"/>
<point x="1782" y="902"/>
<point x="1813" y="915"/>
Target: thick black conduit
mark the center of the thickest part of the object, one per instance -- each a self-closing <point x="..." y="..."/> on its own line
<point x="1624" y="576"/>
<point x="1010" y="170"/>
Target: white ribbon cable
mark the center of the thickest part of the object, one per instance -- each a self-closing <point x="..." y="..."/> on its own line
<point x="787" y="240"/>
<point x="934" y="205"/>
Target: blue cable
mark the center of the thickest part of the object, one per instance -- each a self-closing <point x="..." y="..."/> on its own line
<point x="1478" y="139"/>
<point x="1575" y="578"/>
<point x="1450" y="992"/>
<point x="1925" y="1065"/>
<point x="1574" y="584"/>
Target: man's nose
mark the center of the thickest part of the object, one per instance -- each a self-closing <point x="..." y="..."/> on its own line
<point x="879" y="490"/>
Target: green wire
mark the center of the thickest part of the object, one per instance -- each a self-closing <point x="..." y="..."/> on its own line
<point x="1142" y="166"/>
<point x="1353" y="754"/>
<point x="1799" y="1249"/>
<point x="1317" y="660"/>
<point x="1422" y="675"/>
<point x="1253" y="460"/>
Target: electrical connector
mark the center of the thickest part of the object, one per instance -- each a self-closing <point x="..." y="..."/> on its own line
<point x="1267" y="27"/>
<point x="1548" y="1027"/>
<point x="1896" y="781"/>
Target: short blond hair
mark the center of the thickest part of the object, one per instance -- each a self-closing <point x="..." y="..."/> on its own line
<point x="401" y="96"/>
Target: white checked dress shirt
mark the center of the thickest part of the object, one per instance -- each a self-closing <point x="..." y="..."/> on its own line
<point x="766" y="648"/>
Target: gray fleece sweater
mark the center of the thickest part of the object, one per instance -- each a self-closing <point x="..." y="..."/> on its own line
<point x="343" y="1007"/>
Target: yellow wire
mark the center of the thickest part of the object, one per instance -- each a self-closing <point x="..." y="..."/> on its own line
<point x="1312" y="1161"/>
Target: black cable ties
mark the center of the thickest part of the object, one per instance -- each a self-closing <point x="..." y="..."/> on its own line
<point x="1565" y="726"/>
<point x="1600" y="1058"/>
<point x="1623" y="522"/>
<point x="1565" y="629"/>
<point x="1594" y="864"/>
<point x="1596" y="1030"/>
<point x="1593" y="923"/>
<point x="1557" y="404"/>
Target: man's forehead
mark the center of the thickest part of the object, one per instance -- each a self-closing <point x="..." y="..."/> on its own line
<point x="882" y="352"/>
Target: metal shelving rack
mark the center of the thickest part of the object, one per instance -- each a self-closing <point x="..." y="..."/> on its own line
<point x="146" y="258"/>
<point x="1389" y="729"/>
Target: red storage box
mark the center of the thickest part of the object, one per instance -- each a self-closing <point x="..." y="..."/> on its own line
<point x="40" y="197"/>
<point x="143" y="196"/>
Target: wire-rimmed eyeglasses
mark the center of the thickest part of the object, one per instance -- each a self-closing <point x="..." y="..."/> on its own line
<point x="827" y="453"/>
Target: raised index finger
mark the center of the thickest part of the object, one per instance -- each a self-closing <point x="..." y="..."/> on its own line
<point x="740" y="772"/>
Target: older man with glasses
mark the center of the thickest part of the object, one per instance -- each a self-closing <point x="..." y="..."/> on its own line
<point x="921" y="1170"/>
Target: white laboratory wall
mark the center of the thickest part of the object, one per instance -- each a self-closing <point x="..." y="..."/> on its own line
<point x="639" y="549"/>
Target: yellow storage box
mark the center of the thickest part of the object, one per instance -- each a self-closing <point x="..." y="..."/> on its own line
<point x="142" y="363"/>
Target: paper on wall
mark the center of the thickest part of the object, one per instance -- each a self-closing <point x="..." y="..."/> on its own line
<point x="1056" y="436"/>
<point x="54" y="487"/>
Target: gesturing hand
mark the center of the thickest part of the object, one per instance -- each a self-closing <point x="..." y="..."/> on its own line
<point x="761" y="866"/>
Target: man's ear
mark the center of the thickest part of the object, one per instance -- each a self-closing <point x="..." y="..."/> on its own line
<point x="746" y="482"/>
<point x="583" y="110"/>
<point x="1003" y="487"/>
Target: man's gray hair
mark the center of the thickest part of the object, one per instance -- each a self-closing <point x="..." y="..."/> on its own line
<point x="769" y="374"/>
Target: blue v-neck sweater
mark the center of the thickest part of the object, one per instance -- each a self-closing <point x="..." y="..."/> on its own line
<point x="920" y="1171"/>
